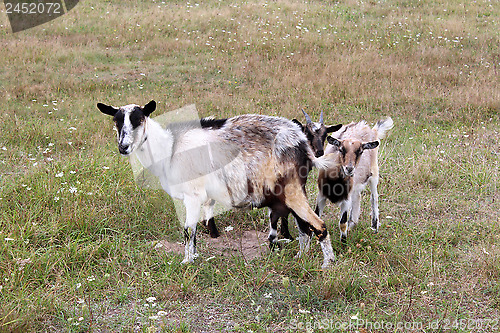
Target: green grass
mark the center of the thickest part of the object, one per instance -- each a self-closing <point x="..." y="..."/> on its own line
<point x="77" y="235"/>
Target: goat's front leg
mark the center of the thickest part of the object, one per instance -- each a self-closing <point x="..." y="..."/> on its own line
<point x="320" y="203"/>
<point x="374" y="201"/>
<point x="193" y="207"/>
<point x="345" y="207"/>
<point x="355" y="208"/>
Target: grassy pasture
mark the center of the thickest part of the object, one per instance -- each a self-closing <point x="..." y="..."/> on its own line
<point x="77" y="236"/>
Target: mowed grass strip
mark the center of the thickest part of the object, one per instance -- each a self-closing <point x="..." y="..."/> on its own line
<point x="79" y="239"/>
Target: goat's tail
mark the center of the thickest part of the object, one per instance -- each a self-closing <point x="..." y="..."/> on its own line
<point x="383" y="126"/>
<point x="324" y="162"/>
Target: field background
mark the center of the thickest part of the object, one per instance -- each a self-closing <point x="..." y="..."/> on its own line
<point x="77" y="236"/>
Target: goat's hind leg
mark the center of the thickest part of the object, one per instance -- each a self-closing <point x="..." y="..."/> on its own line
<point x="304" y="235"/>
<point x="273" y="232"/>
<point x="276" y="212"/>
<point x="285" y="232"/>
<point x="193" y="208"/>
<point x="209" y="222"/>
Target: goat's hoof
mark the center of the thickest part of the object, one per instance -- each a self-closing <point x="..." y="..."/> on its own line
<point x="190" y="260"/>
<point x="274" y="246"/>
<point x="343" y="239"/>
<point x="327" y="263"/>
<point x="375" y="230"/>
<point x="298" y="255"/>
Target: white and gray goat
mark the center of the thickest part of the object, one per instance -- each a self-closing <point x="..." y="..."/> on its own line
<point x="244" y="161"/>
<point x="355" y="148"/>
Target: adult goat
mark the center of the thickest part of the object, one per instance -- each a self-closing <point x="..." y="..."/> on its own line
<point x="253" y="160"/>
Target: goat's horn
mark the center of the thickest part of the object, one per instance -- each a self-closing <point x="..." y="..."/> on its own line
<point x="321" y="118"/>
<point x="308" y="119"/>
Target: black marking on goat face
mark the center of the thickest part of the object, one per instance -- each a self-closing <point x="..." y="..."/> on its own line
<point x="316" y="134"/>
<point x="127" y="120"/>
<point x="350" y="153"/>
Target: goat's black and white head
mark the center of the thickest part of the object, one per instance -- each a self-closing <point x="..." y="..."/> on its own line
<point x="350" y="152"/>
<point x="130" y="124"/>
<point x="316" y="132"/>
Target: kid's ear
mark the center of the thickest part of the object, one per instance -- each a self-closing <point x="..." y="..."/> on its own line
<point x="149" y="108"/>
<point x="107" y="109"/>
<point x="370" y="145"/>
<point x="333" y="128"/>
<point x="334" y="142"/>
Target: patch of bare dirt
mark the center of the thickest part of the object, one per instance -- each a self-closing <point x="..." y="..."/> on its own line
<point x="248" y="244"/>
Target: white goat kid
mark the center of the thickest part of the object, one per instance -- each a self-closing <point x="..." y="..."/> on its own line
<point x="244" y="161"/>
<point x="356" y="150"/>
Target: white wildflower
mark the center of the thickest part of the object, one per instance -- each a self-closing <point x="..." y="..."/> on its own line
<point x="229" y="228"/>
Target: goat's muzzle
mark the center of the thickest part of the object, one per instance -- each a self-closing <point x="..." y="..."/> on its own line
<point x="123" y="149"/>
<point x="349" y="171"/>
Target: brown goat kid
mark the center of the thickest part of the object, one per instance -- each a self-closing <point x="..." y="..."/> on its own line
<point x="356" y="151"/>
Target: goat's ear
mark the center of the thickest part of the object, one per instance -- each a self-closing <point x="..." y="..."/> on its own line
<point x="107" y="109"/>
<point x="298" y="123"/>
<point x="370" y="145"/>
<point x="333" y="128"/>
<point x="149" y="108"/>
<point x="334" y="142"/>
